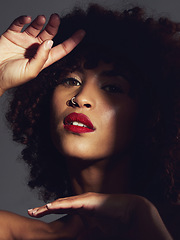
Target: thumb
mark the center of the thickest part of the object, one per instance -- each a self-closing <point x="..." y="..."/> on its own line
<point x="37" y="62"/>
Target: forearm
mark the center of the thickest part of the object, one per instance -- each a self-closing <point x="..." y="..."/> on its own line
<point x="15" y="227"/>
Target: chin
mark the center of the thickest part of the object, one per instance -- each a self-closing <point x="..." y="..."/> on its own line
<point x="84" y="153"/>
<point x="83" y="149"/>
<point x="77" y="152"/>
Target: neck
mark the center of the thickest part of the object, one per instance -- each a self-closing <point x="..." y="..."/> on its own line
<point x="102" y="176"/>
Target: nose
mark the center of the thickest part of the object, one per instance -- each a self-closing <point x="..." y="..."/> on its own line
<point x="85" y="98"/>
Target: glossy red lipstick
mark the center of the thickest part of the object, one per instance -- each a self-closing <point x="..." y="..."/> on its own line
<point x="78" y="123"/>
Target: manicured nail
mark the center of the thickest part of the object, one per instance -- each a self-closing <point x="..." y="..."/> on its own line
<point x="48" y="44"/>
<point x="34" y="211"/>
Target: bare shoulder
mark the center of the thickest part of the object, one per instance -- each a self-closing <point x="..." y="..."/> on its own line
<point x="14" y="226"/>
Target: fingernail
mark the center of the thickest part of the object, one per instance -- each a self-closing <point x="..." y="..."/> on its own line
<point x="48" y="44"/>
<point x="34" y="211"/>
<point x="30" y="210"/>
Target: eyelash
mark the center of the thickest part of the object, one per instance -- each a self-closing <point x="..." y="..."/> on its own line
<point x="69" y="82"/>
<point x="112" y="89"/>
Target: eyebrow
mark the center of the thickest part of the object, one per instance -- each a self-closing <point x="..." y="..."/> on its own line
<point x="107" y="73"/>
<point x="80" y="69"/>
<point x="111" y="73"/>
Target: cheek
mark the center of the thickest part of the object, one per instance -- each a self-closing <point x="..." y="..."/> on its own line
<point x="106" y="131"/>
<point x="58" y="107"/>
<point x="59" y="103"/>
<point x="126" y="125"/>
<point x="119" y="126"/>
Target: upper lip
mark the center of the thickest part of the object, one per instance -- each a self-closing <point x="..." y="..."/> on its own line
<point x="78" y="117"/>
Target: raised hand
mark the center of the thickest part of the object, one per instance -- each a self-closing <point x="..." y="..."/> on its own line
<point x="24" y="54"/>
<point x="111" y="216"/>
<point x="101" y="214"/>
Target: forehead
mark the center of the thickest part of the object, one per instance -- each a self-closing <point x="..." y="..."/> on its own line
<point x="103" y="74"/>
<point x="85" y="58"/>
<point x="101" y="68"/>
<point x="106" y="69"/>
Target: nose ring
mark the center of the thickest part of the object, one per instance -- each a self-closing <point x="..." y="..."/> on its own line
<point x="72" y="101"/>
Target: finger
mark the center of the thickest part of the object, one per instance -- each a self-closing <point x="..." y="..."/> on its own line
<point x="87" y="202"/>
<point x="41" y="212"/>
<point x="36" y="63"/>
<point x="63" y="205"/>
<point x="36" y="26"/>
<point x="44" y="210"/>
<point x="38" y="212"/>
<point x="64" y="48"/>
<point x="51" y="28"/>
<point x="19" y="23"/>
<point x="76" y="204"/>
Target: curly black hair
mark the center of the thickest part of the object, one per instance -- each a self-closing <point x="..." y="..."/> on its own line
<point x="147" y="52"/>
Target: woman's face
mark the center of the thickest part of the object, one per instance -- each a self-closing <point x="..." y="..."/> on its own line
<point x="109" y="114"/>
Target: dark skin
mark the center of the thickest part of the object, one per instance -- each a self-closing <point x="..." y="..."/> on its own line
<point x="95" y="212"/>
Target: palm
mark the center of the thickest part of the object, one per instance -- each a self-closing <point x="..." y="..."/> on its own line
<point x="14" y="61"/>
<point x="25" y="54"/>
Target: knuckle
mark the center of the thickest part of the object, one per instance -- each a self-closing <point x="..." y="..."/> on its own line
<point x="64" y="47"/>
<point x="33" y="74"/>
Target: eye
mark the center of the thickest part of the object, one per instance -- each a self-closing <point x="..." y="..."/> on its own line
<point x="70" y="82"/>
<point x="112" y="89"/>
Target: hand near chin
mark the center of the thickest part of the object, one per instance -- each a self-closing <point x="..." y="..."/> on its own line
<point x="106" y="216"/>
<point x="98" y="213"/>
<point x="25" y="53"/>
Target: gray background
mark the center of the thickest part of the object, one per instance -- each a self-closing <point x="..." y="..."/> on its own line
<point x="14" y="193"/>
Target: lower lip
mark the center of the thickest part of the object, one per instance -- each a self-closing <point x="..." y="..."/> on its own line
<point x="77" y="129"/>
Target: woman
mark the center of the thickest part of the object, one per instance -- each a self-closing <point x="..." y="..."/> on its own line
<point x="100" y="126"/>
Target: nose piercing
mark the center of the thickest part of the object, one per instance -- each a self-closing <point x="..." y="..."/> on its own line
<point x="72" y="101"/>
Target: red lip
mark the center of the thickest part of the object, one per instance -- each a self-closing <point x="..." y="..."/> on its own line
<point x="81" y="118"/>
